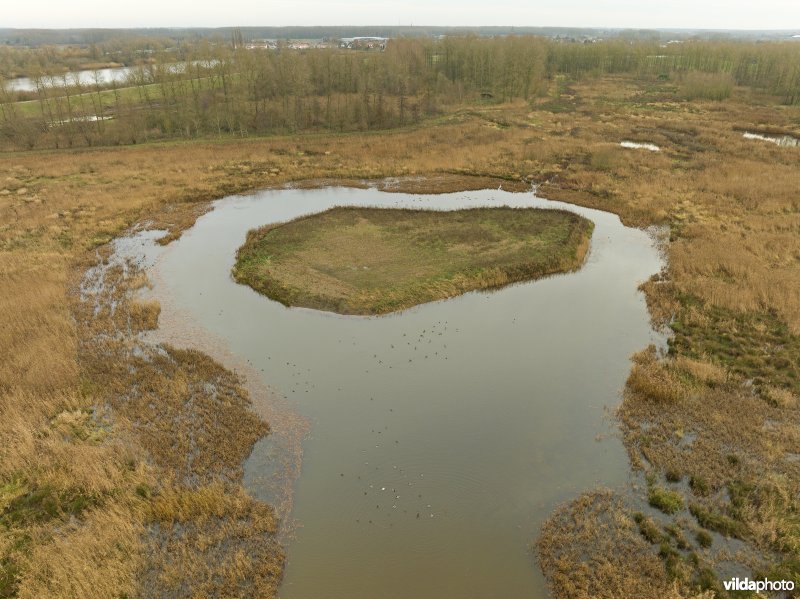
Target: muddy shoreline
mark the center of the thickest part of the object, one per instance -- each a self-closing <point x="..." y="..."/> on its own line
<point x="287" y="428"/>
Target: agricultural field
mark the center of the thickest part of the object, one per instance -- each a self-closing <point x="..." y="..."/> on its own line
<point x="121" y="463"/>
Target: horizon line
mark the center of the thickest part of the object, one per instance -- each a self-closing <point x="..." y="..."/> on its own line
<point x="411" y="25"/>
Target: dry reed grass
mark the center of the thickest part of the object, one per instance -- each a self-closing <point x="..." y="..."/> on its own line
<point x="99" y="556"/>
<point x="649" y="377"/>
<point x="591" y="547"/>
<point x="212" y="541"/>
<point x="735" y="449"/>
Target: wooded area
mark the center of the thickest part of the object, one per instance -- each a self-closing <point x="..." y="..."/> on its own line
<point x="217" y="90"/>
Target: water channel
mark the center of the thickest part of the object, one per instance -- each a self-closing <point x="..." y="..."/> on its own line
<point x="442" y="436"/>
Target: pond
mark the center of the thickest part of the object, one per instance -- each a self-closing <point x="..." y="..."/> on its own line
<point x="84" y="78"/>
<point x="786" y="141"/>
<point x="640" y="146"/>
<point x="440" y="437"/>
<point x="103" y="77"/>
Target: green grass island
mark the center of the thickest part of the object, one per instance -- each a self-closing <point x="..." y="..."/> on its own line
<point x="371" y="261"/>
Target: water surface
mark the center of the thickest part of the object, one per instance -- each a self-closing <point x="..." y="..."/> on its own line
<point x="84" y="78"/>
<point x="640" y="146"/>
<point x="91" y="77"/>
<point x="440" y="437"/>
<point x="785" y="141"/>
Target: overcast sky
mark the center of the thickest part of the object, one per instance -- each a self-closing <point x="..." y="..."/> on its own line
<point x="707" y="14"/>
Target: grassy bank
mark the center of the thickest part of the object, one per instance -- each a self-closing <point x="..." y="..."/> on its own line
<point x="374" y="261"/>
<point x="708" y="422"/>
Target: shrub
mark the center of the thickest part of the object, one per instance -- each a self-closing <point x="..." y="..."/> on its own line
<point x="698" y="485"/>
<point x="704" y="538"/>
<point x="648" y="528"/>
<point x="717" y="522"/>
<point x="665" y="500"/>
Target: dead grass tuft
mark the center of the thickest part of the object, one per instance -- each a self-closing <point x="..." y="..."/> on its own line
<point x="650" y="379"/>
<point x="780" y="398"/>
<point x="702" y="370"/>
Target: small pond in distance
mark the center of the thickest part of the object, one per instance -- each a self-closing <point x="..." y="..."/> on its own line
<point x="785" y="141"/>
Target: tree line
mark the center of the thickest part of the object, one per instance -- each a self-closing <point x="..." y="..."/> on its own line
<point x="218" y="90"/>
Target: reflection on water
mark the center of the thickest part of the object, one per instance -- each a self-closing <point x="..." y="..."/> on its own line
<point x="442" y="436"/>
<point x="91" y="77"/>
<point x="84" y="78"/>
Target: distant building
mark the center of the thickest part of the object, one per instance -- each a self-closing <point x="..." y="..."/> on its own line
<point x="363" y="43"/>
<point x="261" y="44"/>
